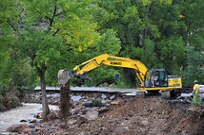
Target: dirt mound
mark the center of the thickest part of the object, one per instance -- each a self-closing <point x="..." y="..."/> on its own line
<point x="149" y="116"/>
<point x="145" y="116"/>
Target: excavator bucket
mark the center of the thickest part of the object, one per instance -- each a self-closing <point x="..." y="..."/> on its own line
<point x="63" y="76"/>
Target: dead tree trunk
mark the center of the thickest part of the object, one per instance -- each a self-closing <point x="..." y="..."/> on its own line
<point x="45" y="106"/>
<point x="65" y="101"/>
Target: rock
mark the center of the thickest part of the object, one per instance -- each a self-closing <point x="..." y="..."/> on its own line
<point x="91" y="115"/>
<point x="18" y="128"/>
<point x="33" y="121"/>
<point x="72" y="121"/>
<point x="76" y="98"/>
<point x="56" y="95"/>
<point x="23" y="121"/>
<point x="91" y="109"/>
<point x="103" y="96"/>
<point x="88" y="104"/>
<point x="112" y="97"/>
<point x="81" y="133"/>
<point x="81" y="119"/>
<point x="77" y="109"/>
<point x="31" y="125"/>
<point x="145" y="122"/>
<point x="115" y="102"/>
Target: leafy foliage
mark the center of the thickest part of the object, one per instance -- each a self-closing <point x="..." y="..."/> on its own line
<point x="196" y="101"/>
<point x="63" y="33"/>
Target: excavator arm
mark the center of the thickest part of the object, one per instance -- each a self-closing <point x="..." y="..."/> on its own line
<point x="151" y="80"/>
<point x="108" y="60"/>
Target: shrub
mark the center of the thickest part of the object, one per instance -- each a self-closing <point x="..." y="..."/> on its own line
<point x="97" y="102"/>
<point x="196" y="101"/>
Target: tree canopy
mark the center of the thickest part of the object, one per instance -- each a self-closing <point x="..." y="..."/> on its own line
<point x="45" y="36"/>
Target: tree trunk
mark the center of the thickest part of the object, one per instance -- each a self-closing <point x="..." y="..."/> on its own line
<point x="45" y="106"/>
<point x="65" y="101"/>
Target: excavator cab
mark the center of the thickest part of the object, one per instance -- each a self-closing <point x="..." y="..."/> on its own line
<point x="156" y="78"/>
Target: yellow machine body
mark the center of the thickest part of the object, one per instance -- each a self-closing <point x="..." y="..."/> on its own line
<point x="145" y="76"/>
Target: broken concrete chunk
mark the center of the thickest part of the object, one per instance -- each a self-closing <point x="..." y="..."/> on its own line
<point x="103" y="96"/>
<point x="112" y="97"/>
<point x="75" y="98"/>
<point x="91" y="115"/>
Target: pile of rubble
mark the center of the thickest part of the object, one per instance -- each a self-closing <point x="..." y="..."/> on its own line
<point x="99" y="113"/>
<point x="84" y="108"/>
<point x="131" y="116"/>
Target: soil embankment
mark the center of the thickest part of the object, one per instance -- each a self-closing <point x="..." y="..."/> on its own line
<point x="146" y="116"/>
<point x="149" y="116"/>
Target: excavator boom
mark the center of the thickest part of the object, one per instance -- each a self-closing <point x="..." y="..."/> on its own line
<point x="108" y="60"/>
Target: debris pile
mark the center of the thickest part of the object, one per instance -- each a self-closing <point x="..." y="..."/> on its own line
<point x="110" y="114"/>
<point x="130" y="116"/>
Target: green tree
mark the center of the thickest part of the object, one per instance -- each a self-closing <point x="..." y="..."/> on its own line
<point x="145" y="29"/>
<point x="50" y="28"/>
<point x="107" y="43"/>
<point x="194" y="40"/>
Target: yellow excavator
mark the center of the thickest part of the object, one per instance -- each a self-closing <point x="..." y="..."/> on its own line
<point x="153" y="80"/>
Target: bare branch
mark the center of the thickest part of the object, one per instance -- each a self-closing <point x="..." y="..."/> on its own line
<point x="48" y="18"/>
<point x="56" y="32"/>
<point x="58" y="14"/>
<point x="13" y="27"/>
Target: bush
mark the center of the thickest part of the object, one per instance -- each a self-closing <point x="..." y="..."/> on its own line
<point x="3" y="90"/>
<point x="196" y="101"/>
<point x="97" y="102"/>
<point x="11" y="102"/>
<point x="2" y="107"/>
